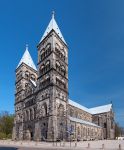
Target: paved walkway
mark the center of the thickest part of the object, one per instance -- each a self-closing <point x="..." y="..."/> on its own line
<point x="83" y="145"/>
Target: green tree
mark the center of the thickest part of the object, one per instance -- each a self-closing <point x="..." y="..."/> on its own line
<point x="6" y="125"/>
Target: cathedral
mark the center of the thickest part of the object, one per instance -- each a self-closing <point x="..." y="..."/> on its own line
<point x="43" y="110"/>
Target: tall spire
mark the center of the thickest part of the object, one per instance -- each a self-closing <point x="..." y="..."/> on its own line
<point x="53" y="26"/>
<point x="26" y="58"/>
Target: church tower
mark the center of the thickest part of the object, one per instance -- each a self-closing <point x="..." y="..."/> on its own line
<point x="52" y="83"/>
<point x="25" y="72"/>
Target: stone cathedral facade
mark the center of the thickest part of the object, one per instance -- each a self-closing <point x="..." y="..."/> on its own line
<point x="43" y="110"/>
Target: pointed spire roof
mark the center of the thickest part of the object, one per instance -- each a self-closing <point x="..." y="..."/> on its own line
<point x="26" y="58"/>
<point x="53" y="25"/>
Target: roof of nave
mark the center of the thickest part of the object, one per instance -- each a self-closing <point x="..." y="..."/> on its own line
<point x="101" y="109"/>
<point x="26" y="58"/>
<point x="83" y="122"/>
<point x="75" y="104"/>
<point x="94" y="110"/>
<point x="53" y="26"/>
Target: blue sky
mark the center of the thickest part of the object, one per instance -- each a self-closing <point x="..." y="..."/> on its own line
<point x="94" y="31"/>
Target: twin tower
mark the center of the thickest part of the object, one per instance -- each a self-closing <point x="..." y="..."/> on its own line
<point x="41" y="98"/>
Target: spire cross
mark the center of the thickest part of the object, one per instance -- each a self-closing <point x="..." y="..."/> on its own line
<point x="26" y="46"/>
<point x="53" y="14"/>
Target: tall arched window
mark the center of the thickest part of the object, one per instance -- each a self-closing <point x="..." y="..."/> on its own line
<point x="71" y="112"/>
<point x="42" y="54"/>
<point x="44" y="110"/>
<point x="47" y="49"/>
<point x="76" y="114"/>
<point x="78" y="130"/>
<point x="42" y="69"/>
<point x="31" y="114"/>
<point x="61" y="110"/>
<point x="47" y="65"/>
<point x="57" y="66"/>
<point x="84" y="131"/>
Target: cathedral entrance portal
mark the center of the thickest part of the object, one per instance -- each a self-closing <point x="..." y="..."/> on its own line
<point x="32" y="135"/>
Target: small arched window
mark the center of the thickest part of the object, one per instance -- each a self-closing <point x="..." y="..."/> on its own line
<point x="47" y="49"/>
<point x="33" y="77"/>
<point x="48" y="46"/>
<point x="63" y="70"/>
<point x="57" y="47"/>
<point x="47" y="65"/>
<point x="57" y="66"/>
<point x="27" y="74"/>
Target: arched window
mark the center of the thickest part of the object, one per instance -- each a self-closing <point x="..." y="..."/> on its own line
<point x="57" y="47"/>
<point x="27" y="74"/>
<point x="46" y="95"/>
<point x="17" y="76"/>
<point x="57" y="66"/>
<point x="78" y="130"/>
<point x="44" y="110"/>
<point x="88" y="133"/>
<point x="42" y="69"/>
<point x="105" y="125"/>
<point x="63" y="70"/>
<point x="42" y="54"/>
<point x="76" y="114"/>
<point x="33" y="77"/>
<point x="48" y="49"/>
<point x="20" y="75"/>
<point x="61" y="110"/>
<point x="84" y="131"/>
<point x="71" y="112"/>
<point x="47" y="65"/>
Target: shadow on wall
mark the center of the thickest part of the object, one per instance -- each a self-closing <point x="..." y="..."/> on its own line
<point x="8" y="148"/>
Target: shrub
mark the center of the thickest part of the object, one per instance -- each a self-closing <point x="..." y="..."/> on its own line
<point x="2" y="136"/>
<point x="9" y="136"/>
